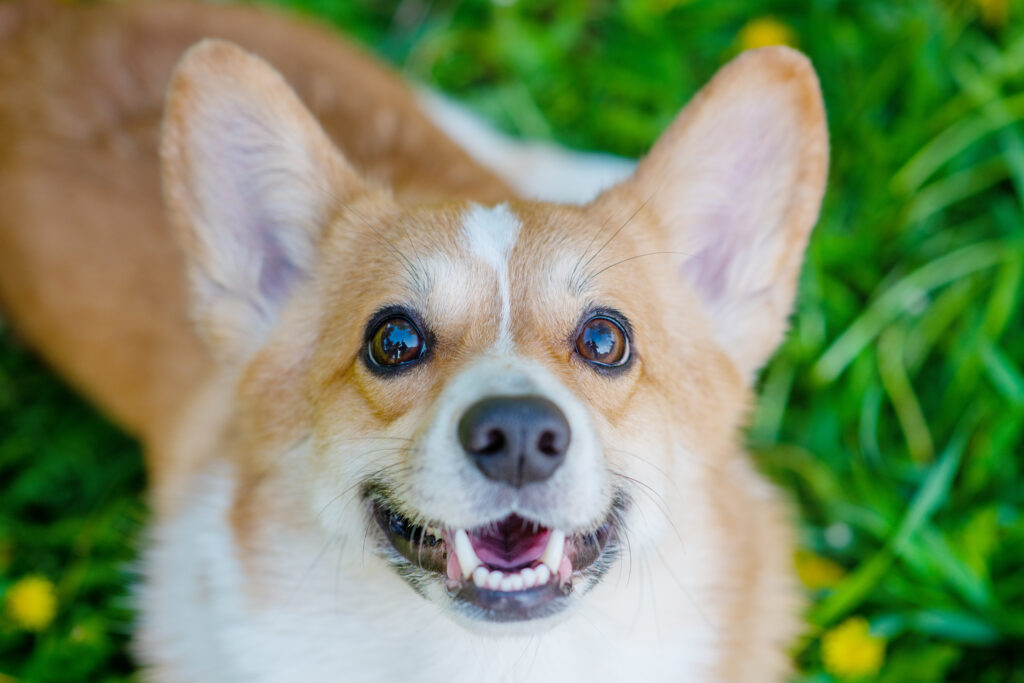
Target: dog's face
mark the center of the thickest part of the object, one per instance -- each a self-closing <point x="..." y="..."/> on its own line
<point x="501" y="401"/>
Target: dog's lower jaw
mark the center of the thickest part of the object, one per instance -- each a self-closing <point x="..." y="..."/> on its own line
<point x="308" y="609"/>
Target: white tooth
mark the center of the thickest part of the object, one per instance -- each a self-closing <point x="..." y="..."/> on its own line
<point x="480" y="575"/>
<point x="506" y="584"/>
<point x="468" y="560"/>
<point x="552" y="556"/>
<point x="543" y="574"/>
<point x="529" y="577"/>
<point x="516" y="582"/>
<point x="494" y="580"/>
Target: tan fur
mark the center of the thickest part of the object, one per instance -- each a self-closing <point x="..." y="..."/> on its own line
<point x="286" y="405"/>
<point x="84" y="117"/>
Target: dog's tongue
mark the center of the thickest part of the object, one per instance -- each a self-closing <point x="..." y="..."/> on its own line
<point x="511" y="543"/>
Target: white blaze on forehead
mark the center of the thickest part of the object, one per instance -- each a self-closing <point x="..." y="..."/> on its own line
<point x="491" y="234"/>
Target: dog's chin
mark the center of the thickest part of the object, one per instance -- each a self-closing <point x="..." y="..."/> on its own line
<point x="513" y="572"/>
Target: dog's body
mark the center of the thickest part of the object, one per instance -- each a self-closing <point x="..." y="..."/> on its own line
<point x="288" y="459"/>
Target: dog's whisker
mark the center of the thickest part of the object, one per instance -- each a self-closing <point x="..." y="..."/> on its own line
<point x="376" y="474"/>
<point x="415" y="274"/>
<point x="687" y="456"/>
<point x="290" y="595"/>
<point x="372" y="438"/>
<point x="656" y="498"/>
<point x="645" y="461"/>
<point x="586" y="250"/>
<point x="622" y="227"/>
<point x="592" y="276"/>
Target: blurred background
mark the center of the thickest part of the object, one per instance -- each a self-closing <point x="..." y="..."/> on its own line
<point x="893" y="414"/>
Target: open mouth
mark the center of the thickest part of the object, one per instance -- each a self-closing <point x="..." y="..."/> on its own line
<point x="510" y="570"/>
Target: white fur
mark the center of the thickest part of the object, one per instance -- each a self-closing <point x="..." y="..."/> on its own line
<point x="447" y="486"/>
<point x="491" y="235"/>
<point x="335" y="612"/>
<point x="536" y="170"/>
<point x="315" y="602"/>
<point x="310" y="596"/>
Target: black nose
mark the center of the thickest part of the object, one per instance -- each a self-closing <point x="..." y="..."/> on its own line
<point x="515" y="439"/>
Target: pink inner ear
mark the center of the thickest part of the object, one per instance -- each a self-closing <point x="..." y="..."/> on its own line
<point x="734" y="204"/>
<point x="277" y="273"/>
<point x="258" y="200"/>
<point x="708" y="268"/>
<point x="250" y="178"/>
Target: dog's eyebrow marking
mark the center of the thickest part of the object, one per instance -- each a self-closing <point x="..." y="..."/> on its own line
<point x="492" y="234"/>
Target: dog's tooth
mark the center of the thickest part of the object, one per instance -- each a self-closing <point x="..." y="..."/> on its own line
<point x="494" y="580"/>
<point x="529" y="577"/>
<point x="468" y="561"/>
<point x="506" y="584"/>
<point x="552" y="556"/>
<point x="543" y="574"/>
<point x="516" y="582"/>
<point x="480" y="575"/>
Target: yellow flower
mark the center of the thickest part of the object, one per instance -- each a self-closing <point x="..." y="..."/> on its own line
<point x="817" y="572"/>
<point x="993" y="12"/>
<point x="850" y="651"/>
<point x="32" y="603"/>
<point x="764" y="32"/>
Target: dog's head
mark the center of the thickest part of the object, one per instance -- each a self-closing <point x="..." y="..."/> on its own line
<point x="501" y="400"/>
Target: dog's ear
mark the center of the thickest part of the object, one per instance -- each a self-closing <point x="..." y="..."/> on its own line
<point x="250" y="180"/>
<point x="735" y="185"/>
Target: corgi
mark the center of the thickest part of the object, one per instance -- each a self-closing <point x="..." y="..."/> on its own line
<point x="419" y="402"/>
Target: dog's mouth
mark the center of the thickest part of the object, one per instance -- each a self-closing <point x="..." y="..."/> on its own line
<point x="514" y="569"/>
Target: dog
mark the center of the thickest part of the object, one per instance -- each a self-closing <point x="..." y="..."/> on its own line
<point x="419" y="402"/>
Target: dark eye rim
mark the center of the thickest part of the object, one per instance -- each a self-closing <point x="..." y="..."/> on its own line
<point x="616" y="318"/>
<point x="381" y="316"/>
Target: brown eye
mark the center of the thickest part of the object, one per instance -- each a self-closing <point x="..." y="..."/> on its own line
<point x="602" y="341"/>
<point x="396" y="341"/>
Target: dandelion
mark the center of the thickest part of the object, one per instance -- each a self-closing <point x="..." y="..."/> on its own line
<point x="817" y="572"/>
<point x="764" y="32"/>
<point x="850" y="651"/>
<point x="32" y="603"/>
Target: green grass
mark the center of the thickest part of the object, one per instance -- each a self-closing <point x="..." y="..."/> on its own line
<point x="894" y="412"/>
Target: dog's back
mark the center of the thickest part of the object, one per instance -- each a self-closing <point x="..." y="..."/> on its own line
<point x="88" y="268"/>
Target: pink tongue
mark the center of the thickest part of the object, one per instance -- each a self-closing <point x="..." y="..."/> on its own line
<point x="513" y="544"/>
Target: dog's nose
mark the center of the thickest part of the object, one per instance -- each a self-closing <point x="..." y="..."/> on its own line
<point x="515" y="439"/>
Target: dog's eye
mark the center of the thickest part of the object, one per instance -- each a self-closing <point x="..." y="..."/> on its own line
<point x="395" y="342"/>
<point x="602" y="341"/>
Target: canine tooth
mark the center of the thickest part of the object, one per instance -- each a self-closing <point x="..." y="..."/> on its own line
<point x="543" y="574"/>
<point x="494" y="580"/>
<point x="529" y="577"/>
<point x="552" y="556"/>
<point x="515" y="582"/>
<point x="468" y="561"/>
<point x="506" y="584"/>
<point x="480" y="575"/>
